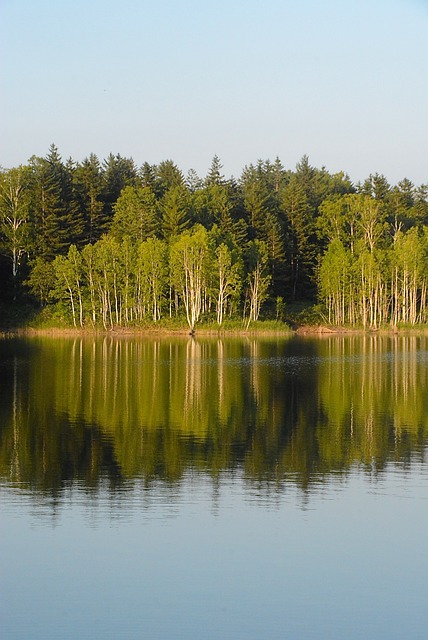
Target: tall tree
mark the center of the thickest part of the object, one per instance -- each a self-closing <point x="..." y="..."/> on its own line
<point x="335" y="282"/>
<point x="259" y="198"/>
<point x="258" y="278"/>
<point x="153" y="271"/>
<point x="376" y="186"/>
<point x="273" y="237"/>
<point x="88" y="186"/>
<point x="14" y="217"/>
<point x="189" y="266"/>
<point x="370" y="218"/>
<point x="175" y="210"/>
<point x="119" y="173"/>
<point x="168" y="176"/>
<point x="135" y="214"/>
<point x="301" y="242"/>
<point x="193" y="181"/>
<point x="74" y="219"/>
<point x="48" y="209"/>
<point x="420" y="209"/>
<point x="68" y="271"/>
<point x="399" y="207"/>
<point x="148" y="176"/>
<point x="214" y="175"/>
<point x="227" y="278"/>
<point x="276" y="175"/>
<point x="41" y="279"/>
<point x="332" y="219"/>
<point x="107" y="262"/>
<point x="212" y="205"/>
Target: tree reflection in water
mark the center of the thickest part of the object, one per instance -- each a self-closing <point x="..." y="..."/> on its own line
<point x="91" y="409"/>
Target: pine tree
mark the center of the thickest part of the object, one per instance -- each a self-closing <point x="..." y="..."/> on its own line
<point x="175" y="208"/>
<point x="214" y="176"/>
<point x="88" y="185"/>
<point x="51" y="205"/>
<point x="118" y="173"/>
<point x="168" y="176"/>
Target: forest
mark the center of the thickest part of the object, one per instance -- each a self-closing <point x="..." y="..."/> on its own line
<point x="109" y="244"/>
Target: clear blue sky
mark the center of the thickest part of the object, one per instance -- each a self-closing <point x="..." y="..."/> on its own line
<point x="345" y="82"/>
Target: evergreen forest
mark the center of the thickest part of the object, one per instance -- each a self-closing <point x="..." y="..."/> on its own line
<point x="109" y="244"/>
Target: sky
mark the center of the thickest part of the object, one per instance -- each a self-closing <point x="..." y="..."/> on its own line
<point x="344" y="82"/>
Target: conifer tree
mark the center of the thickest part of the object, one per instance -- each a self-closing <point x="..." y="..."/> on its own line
<point x="88" y="185"/>
<point x="175" y="208"/>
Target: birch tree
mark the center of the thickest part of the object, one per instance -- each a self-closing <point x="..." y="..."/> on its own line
<point x="227" y="278"/>
<point x="189" y="257"/>
<point x="153" y="270"/>
<point x="68" y="271"/>
<point x="258" y="278"/>
<point x="409" y="281"/>
<point x="105" y="276"/>
<point x="14" y="216"/>
<point x="334" y="281"/>
<point x="88" y="262"/>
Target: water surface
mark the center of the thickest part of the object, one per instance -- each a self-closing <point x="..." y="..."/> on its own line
<point x="204" y="488"/>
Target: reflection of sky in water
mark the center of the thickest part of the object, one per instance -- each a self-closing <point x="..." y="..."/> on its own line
<point x="350" y="562"/>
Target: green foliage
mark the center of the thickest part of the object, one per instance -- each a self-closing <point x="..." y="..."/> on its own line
<point x="88" y="184"/>
<point x="118" y="173"/>
<point x="41" y="280"/>
<point x="152" y="265"/>
<point x="279" y="308"/>
<point x="167" y="176"/>
<point x="226" y="279"/>
<point x="190" y="269"/>
<point x="14" y="217"/>
<point x="135" y="214"/>
<point x="335" y="284"/>
<point x="258" y="278"/>
<point x="175" y="207"/>
<point x="300" y="230"/>
<point x="322" y="240"/>
<point x="68" y="272"/>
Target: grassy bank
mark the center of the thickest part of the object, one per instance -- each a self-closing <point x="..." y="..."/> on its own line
<point x="22" y="317"/>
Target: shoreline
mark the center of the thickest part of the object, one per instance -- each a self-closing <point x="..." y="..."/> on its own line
<point x="300" y="331"/>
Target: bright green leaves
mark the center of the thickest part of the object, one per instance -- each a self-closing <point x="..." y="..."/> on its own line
<point x="135" y="214"/>
<point x="68" y="272"/>
<point x="190" y="271"/>
<point x="152" y="277"/>
<point x="258" y="278"/>
<point x="227" y="279"/>
<point x="14" y="217"/>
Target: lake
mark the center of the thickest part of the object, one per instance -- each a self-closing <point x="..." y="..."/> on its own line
<point x="204" y="488"/>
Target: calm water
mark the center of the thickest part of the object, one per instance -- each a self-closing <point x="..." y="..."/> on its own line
<point x="214" y="489"/>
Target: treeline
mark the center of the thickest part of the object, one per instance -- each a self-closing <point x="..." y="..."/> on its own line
<point x="125" y="245"/>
